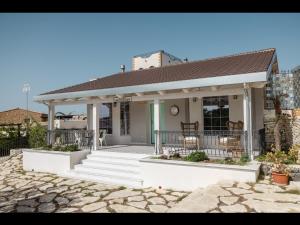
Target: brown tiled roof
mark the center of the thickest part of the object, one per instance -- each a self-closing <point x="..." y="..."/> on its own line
<point x="249" y="62"/>
<point x="18" y="116"/>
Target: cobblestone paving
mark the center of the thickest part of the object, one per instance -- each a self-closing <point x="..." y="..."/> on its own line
<point x="22" y="191"/>
<point x="233" y="197"/>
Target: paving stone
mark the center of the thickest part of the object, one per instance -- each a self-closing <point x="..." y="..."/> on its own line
<point x="88" y="192"/>
<point x="46" y="186"/>
<point x="267" y="188"/>
<point x="149" y="189"/>
<point x="139" y="204"/>
<point x="83" y="201"/>
<point x="102" y="187"/>
<point x="226" y="183"/>
<point x="10" y="202"/>
<point x="46" y="207"/>
<point x="229" y="200"/>
<point x="243" y="185"/>
<point x="22" y="183"/>
<point x="116" y="201"/>
<point x="66" y="210"/>
<point x="170" y="197"/>
<point x="126" y="209"/>
<point x="6" y="189"/>
<point x="93" y="206"/>
<point x="74" y="195"/>
<point x="47" y="197"/>
<point x="102" y="210"/>
<point x="157" y="201"/>
<point x="47" y="178"/>
<point x="171" y="204"/>
<point x="62" y="201"/>
<point x="34" y="194"/>
<point x="57" y="190"/>
<point x="25" y="209"/>
<point x="179" y="194"/>
<point x="158" y="208"/>
<point x="271" y="207"/>
<point x="233" y="208"/>
<point x="217" y="191"/>
<point x="274" y="197"/>
<point x="29" y="202"/>
<point x="100" y="193"/>
<point x="122" y="194"/>
<point x="161" y="191"/>
<point x="7" y="209"/>
<point x="197" y="201"/>
<point x="77" y="190"/>
<point x="239" y="191"/>
<point x="150" y="194"/>
<point x="69" y="182"/>
<point x="58" y="180"/>
<point x="135" y="198"/>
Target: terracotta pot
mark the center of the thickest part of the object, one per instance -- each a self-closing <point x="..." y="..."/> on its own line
<point x="280" y="178"/>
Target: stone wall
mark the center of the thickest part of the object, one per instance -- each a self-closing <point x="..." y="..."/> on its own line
<point x="290" y="127"/>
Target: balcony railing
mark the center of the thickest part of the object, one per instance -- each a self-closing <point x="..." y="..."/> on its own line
<point x="61" y="137"/>
<point x="219" y="144"/>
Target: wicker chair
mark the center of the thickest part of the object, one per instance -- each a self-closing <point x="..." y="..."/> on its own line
<point x="232" y="142"/>
<point x="190" y="134"/>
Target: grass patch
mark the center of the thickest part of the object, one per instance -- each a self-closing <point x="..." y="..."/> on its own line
<point x="181" y="198"/>
<point x="121" y="188"/>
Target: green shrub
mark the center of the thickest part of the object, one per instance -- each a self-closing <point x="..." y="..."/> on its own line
<point x="244" y="159"/>
<point x="196" y="157"/>
<point x="37" y="136"/>
<point x="70" y="148"/>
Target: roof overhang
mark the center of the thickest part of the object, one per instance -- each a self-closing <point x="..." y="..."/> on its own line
<point x="182" y="84"/>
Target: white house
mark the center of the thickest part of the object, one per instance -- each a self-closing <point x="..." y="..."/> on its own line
<point x="146" y="106"/>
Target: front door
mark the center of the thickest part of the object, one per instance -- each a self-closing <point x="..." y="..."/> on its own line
<point x="161" y="117"/>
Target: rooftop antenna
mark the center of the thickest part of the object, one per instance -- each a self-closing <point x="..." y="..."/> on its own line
<point x="122" y="68"/>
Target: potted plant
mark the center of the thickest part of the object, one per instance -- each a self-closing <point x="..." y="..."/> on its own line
<point x="279" y="169"/>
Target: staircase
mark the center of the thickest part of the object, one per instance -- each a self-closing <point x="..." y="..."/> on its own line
<point x="110" y="167"/>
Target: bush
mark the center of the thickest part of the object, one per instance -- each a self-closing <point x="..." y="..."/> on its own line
<point x="196" y="157"/>
<point x="37" y="136"/>
<point x="244" y="158"/>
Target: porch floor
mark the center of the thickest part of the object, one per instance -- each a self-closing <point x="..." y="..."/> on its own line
<point x="136" y="149"/>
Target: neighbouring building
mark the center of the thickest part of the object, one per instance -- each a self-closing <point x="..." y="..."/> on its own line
<point x="69" y="121"/>
<point x="18" y="116"/>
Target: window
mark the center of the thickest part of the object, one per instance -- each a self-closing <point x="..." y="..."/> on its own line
<point x="124" y="117"/>
<point x="106" y="117"/>
<point x="215" y="112"/>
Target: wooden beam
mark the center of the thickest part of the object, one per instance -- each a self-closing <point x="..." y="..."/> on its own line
<point x="139" y="94"/>
<point x="185" y="90"/>
<point x="161" y="92"/>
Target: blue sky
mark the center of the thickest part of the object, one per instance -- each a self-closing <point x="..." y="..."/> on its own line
<point x="51" y="51"/>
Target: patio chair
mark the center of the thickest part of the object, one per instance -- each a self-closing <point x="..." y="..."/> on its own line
<point x="232" y="141"/>
<point x="102" y="138"/>
<point x="190" y="135"/>
<point x="77" y="139"/>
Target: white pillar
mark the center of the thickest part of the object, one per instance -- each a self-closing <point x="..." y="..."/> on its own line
<point x="156" y="124"/>
<point x="89" y="113"/>
<point x="95" y="124"/>
<point x="51" y="117"/>
<point x="247" y="104"/>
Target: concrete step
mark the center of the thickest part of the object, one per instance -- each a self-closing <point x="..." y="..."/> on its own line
<point x="108" y="171"/>
<point x="103" y="178"/>
<point x="110" y="165"/>
<point x="113" y="160"/>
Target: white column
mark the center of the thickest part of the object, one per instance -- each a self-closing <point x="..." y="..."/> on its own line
<point x="156" y="124"/>
<point x="89" y="113"/>
<point x="95" y="124"/>
<point x="51" y="116"/>
<point x="247" y="104"/>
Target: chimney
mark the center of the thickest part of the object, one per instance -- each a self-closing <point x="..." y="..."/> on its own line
<point x="122" y="68"/>
<point x="185" y="60"/>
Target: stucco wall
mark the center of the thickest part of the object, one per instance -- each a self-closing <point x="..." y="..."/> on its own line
<point x="138" y="121"/>
<point x="145" y="63"/>
<point x="172" y="123"/>
<point x="258" y="108"/>
<point x="236" y="108"/>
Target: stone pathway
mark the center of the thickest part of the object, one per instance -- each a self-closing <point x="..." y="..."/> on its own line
<point x="233" y="197"/>
<point x="22" y="191"/>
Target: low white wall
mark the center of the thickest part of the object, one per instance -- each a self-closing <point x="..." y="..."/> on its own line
<point x="51" y="161"/>
<point x="188" y="176"/>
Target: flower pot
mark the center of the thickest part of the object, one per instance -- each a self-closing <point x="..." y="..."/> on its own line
<point x="280" y="178"/>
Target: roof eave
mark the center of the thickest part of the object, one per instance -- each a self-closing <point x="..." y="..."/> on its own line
<point x="201" y="82"/>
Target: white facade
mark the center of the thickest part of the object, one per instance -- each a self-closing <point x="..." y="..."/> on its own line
<point x="154" y="59"/>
